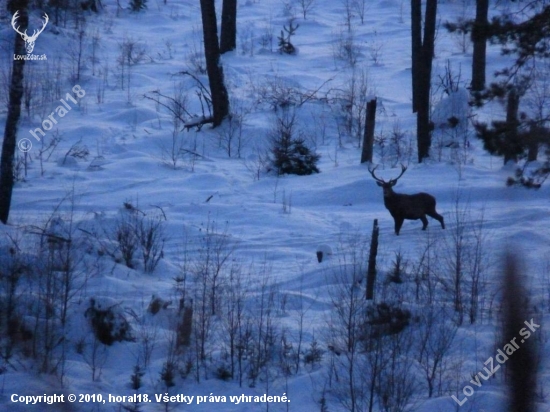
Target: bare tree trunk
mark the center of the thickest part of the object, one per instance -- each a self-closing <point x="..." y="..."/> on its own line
<point x="512" y="108"/>
<point x="14" y="112"/>
<point x="220" y="100"/>
<point x="423" y="82"/>
<point x="479" y="39"/>
<point x="229" y="26"/>
<point x="535" y="138"/>
<point x="368" y="139"/>
<point x="416" y="48"/>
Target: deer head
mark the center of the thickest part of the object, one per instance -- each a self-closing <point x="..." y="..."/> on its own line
<point x="29" y="40"/>
<point x="387" y="185"/>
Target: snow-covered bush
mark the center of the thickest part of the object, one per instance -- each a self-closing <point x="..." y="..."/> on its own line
<point x="108" y="325"/>
<point x="134" y="233"/>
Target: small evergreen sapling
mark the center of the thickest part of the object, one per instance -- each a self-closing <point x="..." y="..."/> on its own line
<point x="292" y="156"/>
<point x="285" y="45"/>
<point x="289" y="152"/>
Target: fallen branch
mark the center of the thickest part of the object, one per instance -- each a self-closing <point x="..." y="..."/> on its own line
<point x="198" y="122"/>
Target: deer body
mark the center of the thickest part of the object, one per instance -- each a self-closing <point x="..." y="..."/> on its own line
<point x="411" y="207"/>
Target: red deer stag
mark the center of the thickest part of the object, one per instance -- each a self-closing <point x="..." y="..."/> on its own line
<point x="411" y="207"/>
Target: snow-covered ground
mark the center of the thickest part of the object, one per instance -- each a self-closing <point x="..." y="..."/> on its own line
<point x="273" y="225"/>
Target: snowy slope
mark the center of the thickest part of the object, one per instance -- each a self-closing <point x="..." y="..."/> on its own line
<point x="275" y="224"/>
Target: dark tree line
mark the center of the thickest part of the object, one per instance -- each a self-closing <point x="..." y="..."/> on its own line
<point x="524" y="36"/>
<point x="522" y="134"/>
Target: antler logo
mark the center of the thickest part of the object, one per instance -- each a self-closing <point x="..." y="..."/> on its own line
<point x="29" y="40"/>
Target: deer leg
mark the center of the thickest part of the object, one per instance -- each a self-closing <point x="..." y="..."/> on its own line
<point x="398" y="224"/>
<point x="438" y="217"/>
<point x="424" y="222"/>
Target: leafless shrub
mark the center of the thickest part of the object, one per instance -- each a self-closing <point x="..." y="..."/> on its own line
<point x="230" y="134"/>
<point x="464" y="256"/>
<point x="348" y="6"/>
<point x="346" y="378"/>
<point x="264" y="330"/>
<point x="319" y="135"/>
<point x="375" y="48"/>
<point x="208" y="270"/>
<point x="306" y="6"/>
<point x="176" y="105"/>
<point x="400" y="145"/>
<point x="266" y="39"/>
<point x="94" y="354"/>
<point x="435" y="336"/>
<point x="345" y="48"/>
<point x="462" y="27"/>
<point x="246" y="40"/>
<point x="136" y="232"/>
<point x="151" y="239"/>
<point x="75" y="53"/>
<point x="195" y="59"/>
<point x="289" y="9"/>
<point x="450" y="82"/>
<point x="349" y="104"/>
<point x="278" y="92"/>
<point x="95" y="46"/>
<point x="125" y="236"/>
<point x="398" y="380"/>
<point x="131" y="52"/>
<point x="76" y="151"/>
<point x="47" y="148"/>
<point x="258" y="162"/>
<point x="360" y="7"/>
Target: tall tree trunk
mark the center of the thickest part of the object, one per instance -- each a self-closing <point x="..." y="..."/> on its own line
<point x="512" y="108"/>
<point x="220" y="100"/>
<point x="368" y="137"/>
<point x="479" y="39"/>
<point x="535" y="138"/>
<point x="423" y="82"/>
<point x="229" y="26"/>
<point x="423" y="126"/>
<point x="416" y="48"/>
<point x="14" y="112"/>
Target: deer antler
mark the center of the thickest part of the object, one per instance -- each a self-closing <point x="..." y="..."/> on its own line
<point x="371" y="171"/>
<point x="403" y="170"/>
